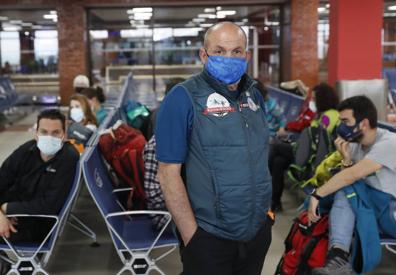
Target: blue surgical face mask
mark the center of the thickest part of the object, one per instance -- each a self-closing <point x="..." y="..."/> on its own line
<point x="349" y="133"/>
<point x="227" y="70"/>
<point x="49" y="145"/>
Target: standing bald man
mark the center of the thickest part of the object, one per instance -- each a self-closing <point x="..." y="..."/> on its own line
<point x="214" y="125"/>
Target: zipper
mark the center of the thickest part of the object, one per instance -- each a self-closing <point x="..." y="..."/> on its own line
<point x="246" y="128"/>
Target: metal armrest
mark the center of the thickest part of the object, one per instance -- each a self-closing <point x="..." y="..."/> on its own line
<point x="56" y="218"/>
<point x="122" y="190"/>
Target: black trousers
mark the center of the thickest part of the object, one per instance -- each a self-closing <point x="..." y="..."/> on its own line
<point x="279" y="160"/>
<point x="207" y="254"/>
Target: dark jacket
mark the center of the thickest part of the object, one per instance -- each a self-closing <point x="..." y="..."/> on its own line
<point x="372" y="211"/>
<point x="31" y="186"/>
<point x="228" y="181"/>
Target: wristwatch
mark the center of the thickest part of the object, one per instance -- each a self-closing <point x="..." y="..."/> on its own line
<point x="346" y="164"/>
<point x="315" y="195"/>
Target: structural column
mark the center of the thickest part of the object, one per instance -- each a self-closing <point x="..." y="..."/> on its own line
<point x="299" y="43"/>
<point x="73" y="59"/>
<point x="355" y="40"/>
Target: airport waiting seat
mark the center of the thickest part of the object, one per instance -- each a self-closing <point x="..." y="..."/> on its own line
<point x="131" y="231"/>
<point x="389" y="243"/>
<point x="289" y="103"/>
<point x="390" y="75"/>
<point x="12" y="95"/>
<point x="31" y="258"/>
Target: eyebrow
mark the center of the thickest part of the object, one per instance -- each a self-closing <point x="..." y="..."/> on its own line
<point x="223" y="49"/>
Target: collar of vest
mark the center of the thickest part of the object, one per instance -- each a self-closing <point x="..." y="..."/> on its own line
<point x="245" y="84"/>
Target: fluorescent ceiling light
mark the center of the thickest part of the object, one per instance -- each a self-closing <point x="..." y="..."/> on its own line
<point x="139" y="10"/>
<point x="37" y="27"/>
<point x="136" y="33"/>
<point x="141" y="16"/>
<point x="327" y="5"/>
<point x="221" y="16"/>
<point x="55" y="19"/>
<point x="228" y="12"/>
<point x="100" y="34"/>
<point x="11" y="28"/>
<point x="205" y="25"/>
<point x="27" y="33"/>
<point x="209" y="10"/>
<point x="218" y="8"/>
<point x="3" y="18"/>
<point x="272" y="23"/>
<point x="16" y="21"/>
<point x="322" y="9"/>
<point x="181" y="32"/>
<point x="52" y="12"/>
<point x="50" y="16"/>
<point x="392" y="8"/>
<point x="198" y="20"/>
<point x="27" y="24"/>
<point x="206" y="15"/>
<point x="245" y="20"/>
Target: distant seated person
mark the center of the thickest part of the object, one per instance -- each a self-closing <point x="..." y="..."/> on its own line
<point x="96" y="98"/>
<point x="82" y="121"/>
<point x="274" y="114"/>
<point x="152" y="187"/>
<point x="365" y="190"/>
<point x="80" y="82"/>
<point x="36" y="179"/>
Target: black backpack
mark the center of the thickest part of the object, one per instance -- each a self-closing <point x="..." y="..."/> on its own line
<point x="312" y="147"/>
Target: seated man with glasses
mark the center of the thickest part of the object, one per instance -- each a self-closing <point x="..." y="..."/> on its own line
<point x="36" y="179"/>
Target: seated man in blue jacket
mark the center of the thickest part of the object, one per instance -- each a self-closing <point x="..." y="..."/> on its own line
<point x="36" y="179"/>
<point x="368" y="155"/>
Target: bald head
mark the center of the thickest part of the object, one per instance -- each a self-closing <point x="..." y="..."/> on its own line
<point x="225" y="32"/>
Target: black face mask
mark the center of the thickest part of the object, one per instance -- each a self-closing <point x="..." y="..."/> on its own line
<point x="350" y="133"/>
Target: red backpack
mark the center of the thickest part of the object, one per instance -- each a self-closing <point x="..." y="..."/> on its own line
<point x="306" y="247"/>
<point x="304" y="118"/>
<point x="122" y="147"/>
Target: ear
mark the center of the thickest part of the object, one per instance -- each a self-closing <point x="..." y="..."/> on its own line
<point x="203" y="56"/>
<point x="364" y="124"/>
<point x="248" y="55"/>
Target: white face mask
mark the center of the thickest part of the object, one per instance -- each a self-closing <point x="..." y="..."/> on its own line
<point x="49" y="145"/>
<point x="312" y="106"/>
<point x="77" y="114"/>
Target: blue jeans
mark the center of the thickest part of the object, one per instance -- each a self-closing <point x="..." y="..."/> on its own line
<point x="342" y="222"/>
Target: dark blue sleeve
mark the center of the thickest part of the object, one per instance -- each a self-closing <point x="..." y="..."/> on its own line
<point x="173" y="127"/>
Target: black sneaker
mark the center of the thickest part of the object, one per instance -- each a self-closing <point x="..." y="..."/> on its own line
<point x="336" y="263"/>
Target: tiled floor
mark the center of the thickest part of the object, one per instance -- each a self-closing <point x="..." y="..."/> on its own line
<point x="74" y="255"/>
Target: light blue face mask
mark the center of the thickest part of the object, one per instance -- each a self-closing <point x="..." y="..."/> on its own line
<point x="49" y="145"/>
<point x="227" y="70"/>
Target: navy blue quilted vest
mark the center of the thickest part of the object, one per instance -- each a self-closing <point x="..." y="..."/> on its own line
<point x="227" y="176"/>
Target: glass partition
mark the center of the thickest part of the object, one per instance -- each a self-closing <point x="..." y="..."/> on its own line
<point x="157" y="44"/>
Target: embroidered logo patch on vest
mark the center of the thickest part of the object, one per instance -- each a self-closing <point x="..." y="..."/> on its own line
<point x="218" y="105"/>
